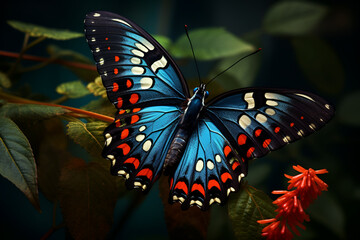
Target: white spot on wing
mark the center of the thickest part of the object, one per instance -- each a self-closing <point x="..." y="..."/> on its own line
<point x="135" y="60"/>
<point x="271" y="103"/>
<point x="147" y="145"/>
<point x="141" y="47"/>
<point x="244" y="121"/>
<point x="93" y="39"/>
<point x="137" y="53"/>
<point x="300" y="133"/>
<point x="161" y="63"/>
<point x="271" y="96"/>
<point x="140" y="137"/>
<point x="312" y="126"/>
<point x="286" y="139"/>
<point x="199" y="165"/>
<point x="146" y="82"/>
<point x="327" y="106"/>
<point x="111" y="157"/>
<point x="270" y="111"/>
<point x="305" y="96"/>
<point x="218" y="158"/>
<point x="101" y="61"/>
<point x="250" y="100"/>
<point x="137" y="70"/>
<point x="96" y="15"/>
<point x="261" y="118"/>
<point x="97" y="49"/>
<point x="121" y="21"/>
<point x="142" y="128"/>
<point x="147" y="44"/>
<point x="210" y="165"/>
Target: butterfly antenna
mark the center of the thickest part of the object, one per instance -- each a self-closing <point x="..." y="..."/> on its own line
<point x="193" y="53"/>
<point x="258" y="50"/>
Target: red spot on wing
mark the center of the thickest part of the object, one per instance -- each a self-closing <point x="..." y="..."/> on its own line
<point x="182" y="186"/>
<point x="125" y="147"/>
<point x="134" y="98"/>
<point x="122" y="111"/>
<point x="235" y="165"/>
<point x="117" y="123"/>
<point x="227" y="150"/>
<point x="115" y="87"/>
<point x="292" y="124"/>
<point x="301" y="117"/>
<point x="116" y="71"/>
<point x="136" y="109"/>
<point x="199" y="188"/>
<point x="266" y="143"/>
<point x="117" y="58"/>
<point x="258" y="132"/>
<point x="213" y="183"/>
<point x="134" y="119"/>
<point x="146" y="172"/>
<point x="128" y="83"/>
<point x="109" y="48"/>
<point x="133" y="161"/>
<point x="120" y="102"/>
<point x="277" y="129"/>
<point x="124" y="133"/>
<point x="225" y="176"/>
<point x="249" y="152"/>
<point x="171" y="182"/>
<point x="242" y="139"/>
<point x="106" y="39"/>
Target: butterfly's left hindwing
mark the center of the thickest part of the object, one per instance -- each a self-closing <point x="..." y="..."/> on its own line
<point x="136" y="71"/>
<point x="257" y="121"/>
<point x="208" y="171"/>
<point x="136" y="143"/>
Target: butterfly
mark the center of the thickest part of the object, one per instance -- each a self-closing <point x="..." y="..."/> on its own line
<point x="160" y="128"/>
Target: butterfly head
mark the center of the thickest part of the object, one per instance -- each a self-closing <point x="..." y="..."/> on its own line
<point x="201" y="91"/>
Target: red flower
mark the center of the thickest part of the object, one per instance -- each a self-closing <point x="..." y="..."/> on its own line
<point x="308" y="186"/>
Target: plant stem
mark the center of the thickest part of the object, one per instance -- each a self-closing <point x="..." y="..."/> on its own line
<point x="73" y="111"/>
<point x="44" y="59"/>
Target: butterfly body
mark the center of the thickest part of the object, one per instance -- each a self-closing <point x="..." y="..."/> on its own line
<point x="204" y="147"/>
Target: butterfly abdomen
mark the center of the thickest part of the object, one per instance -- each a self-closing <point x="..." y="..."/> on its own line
<point x="176" y="150"/>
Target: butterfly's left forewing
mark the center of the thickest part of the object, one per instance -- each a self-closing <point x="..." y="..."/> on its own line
<point x="257" y="121"/>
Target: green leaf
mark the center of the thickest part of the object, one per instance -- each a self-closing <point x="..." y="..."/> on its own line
<point x="245" y="208"/>
<point x="70" y="55"/>
<point x="87" y="194"/>
<point x="293" y="17"/>
<point x="74" y="89"/>
<point x="210" y="44"/>
<point x="17" y="162"/>
<point x="4" y="80"/>
<point x="320" y="64"/>
<point x="164" y="41"/>
<point x="349" y="109"/>
<point x="329" y="212"/>
<point x="97" y="88"/>
<point x="241" y="75"/>
<point x="88" y="135"/>
<point x="101" y="106"/>
<point x="30" y="112"/>
<point x="39" y="31"/>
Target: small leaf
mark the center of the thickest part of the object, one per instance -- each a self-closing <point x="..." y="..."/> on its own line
<point x="4" y="80"/>
<point x="87" y="194"/>
<point x="70" y="55"/>
<point x="164" y="41"/>
<point x="293" y="17"/>
<point x="245" y="208"/>
<point x="210" y="44"/>
<point x="74" y="89"/>
<point x="97" y="88"/>
<point x="102" y="106"/>
<point x="320" y="64"/>
<point x="39" y="31"/>
<point x="88" y="135"/>
<point x="239" y="76"/>
<point x="349" y="109"/>
<point x="17" y="162"/>
<point x="30" y="112"/>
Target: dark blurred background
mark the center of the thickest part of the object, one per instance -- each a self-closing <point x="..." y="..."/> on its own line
<point x="335" y="214"/>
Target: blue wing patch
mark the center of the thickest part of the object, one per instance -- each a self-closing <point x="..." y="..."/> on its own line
<point x="137" y="142"/>
<point x="208" y="171"/>
<point x="136" y="71"/>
